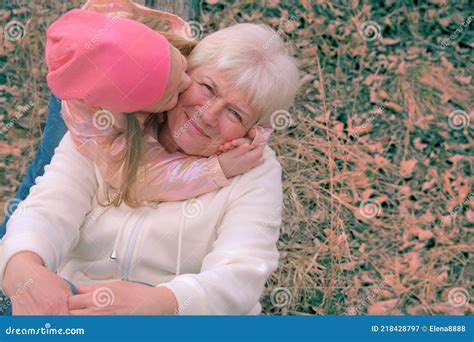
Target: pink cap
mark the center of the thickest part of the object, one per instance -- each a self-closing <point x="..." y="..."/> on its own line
<point x="109" y="62"/>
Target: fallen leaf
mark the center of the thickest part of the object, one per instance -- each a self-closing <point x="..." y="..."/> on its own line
<point x="5" y="148"/>
<point x="407" y="167"/>
<point x="386" y="307"/>
<point x="393" y="106"/>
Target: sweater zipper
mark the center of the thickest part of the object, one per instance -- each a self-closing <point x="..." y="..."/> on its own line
<point x="131" y="245"/>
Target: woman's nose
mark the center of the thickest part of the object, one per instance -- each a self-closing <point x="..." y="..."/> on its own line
<point x="210" y="114"/>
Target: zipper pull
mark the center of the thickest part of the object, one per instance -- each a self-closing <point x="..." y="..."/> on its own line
<point x="113" y="255"/>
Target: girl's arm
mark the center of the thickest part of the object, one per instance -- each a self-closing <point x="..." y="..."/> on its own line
<point x="163" y="176"/>
<point x="92" y="129"/>
<point x="177" y="176"/>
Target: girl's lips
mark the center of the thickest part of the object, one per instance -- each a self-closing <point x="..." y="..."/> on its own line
<point x="195" y="127"/>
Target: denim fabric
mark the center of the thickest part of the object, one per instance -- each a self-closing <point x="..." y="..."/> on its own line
<point x="53" y="133"/>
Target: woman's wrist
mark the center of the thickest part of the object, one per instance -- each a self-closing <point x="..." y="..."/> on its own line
<point x="19" y="263"/>
<point x="165" y="301"/>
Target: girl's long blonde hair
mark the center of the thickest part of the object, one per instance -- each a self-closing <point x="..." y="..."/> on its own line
<point x="131" y="156"/>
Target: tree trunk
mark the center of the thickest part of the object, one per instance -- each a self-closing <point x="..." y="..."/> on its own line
<point x="186" y="9"/>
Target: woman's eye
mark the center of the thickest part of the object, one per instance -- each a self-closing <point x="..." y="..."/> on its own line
<point x="208" y="87"/>
<point x="236" y="115"/>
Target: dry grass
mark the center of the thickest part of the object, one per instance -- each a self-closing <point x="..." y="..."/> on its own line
<point x="369" y="130"/>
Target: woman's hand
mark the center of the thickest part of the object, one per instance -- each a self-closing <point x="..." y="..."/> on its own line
<point x="32" y="288"/>
<point x="238" y="157"/>
<point x="122" y="298"/>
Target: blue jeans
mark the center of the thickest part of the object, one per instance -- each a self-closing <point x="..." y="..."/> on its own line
<point x="8" y="310"/>
<point x="53" y="133"/>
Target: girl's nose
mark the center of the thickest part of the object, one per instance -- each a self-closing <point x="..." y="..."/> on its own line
<point x="185" y="82"/>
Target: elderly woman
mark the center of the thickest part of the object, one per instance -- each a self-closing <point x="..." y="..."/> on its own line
<point x="207" y="256"/>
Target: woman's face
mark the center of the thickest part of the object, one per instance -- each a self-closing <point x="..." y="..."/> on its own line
<point x="210" y="112"/>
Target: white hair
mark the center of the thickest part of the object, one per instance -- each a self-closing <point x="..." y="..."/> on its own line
<point x="255" y="56"/>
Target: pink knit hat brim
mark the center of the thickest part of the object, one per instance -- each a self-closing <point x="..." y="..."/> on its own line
<point x="109" y="62"/>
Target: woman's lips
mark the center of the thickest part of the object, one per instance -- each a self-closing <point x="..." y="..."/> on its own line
<point x="195" y="127"/>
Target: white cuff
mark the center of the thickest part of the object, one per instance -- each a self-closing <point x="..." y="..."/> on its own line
<point x="189" y="295"/>
<point x="216" y="173"/>
<point x="32" y="242"/>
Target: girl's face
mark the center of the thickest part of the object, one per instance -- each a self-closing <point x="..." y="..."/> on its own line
<point x="210" y="112"/>
<point x="178" y="82"/>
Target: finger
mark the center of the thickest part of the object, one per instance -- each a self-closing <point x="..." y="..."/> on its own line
<point x="240" y="150"/>
<point x="82" y="288"/>
<point x="255" y="154"/>
<point x="252" y="133"/>
<point x="80" y="301"/>
<point x="87" y="312"/>
<point x="240" y="141"/>
<point x="81" y="312"/>
<point x="229" y="149"/>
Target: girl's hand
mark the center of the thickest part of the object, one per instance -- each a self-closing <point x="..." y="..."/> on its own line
<point x="122" y="298"/>
<point x="256" y="136"/>
<point x="233" y="144"/>
<point x="33" y="289"/>
<point x="239" y="157"/>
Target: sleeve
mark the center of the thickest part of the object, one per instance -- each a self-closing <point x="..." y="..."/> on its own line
<point x="233" y="275"/>
<point x="163" y="176"/>
<point x="92" y="130"/>
<point x="47" y="222"/>
<point x="177" y="176"/>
